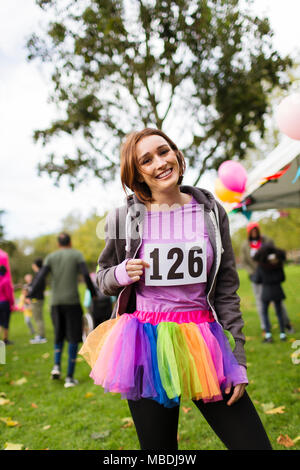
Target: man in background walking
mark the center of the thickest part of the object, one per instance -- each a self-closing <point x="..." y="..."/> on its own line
<point x="64" y="265"/>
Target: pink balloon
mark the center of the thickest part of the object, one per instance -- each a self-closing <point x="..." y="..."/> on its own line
<point x="288" y="116"/>
<point x="233" y="175"/>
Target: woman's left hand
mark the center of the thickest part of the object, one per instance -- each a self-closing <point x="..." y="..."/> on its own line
<point x="238" y="392"/>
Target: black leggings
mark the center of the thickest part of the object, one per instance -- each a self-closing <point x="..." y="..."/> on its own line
<point x="238" y="426"/>
<point x="279" y="313"/>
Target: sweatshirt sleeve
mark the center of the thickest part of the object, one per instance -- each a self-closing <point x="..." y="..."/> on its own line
<point x="111" y="256"/>
<point x="121" y="274"/>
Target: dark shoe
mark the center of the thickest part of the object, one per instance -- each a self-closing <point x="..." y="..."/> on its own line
<point x="269" y="339"/>
<point x="8" y="342"/>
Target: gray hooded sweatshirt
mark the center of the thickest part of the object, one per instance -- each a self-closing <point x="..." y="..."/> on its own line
<point x="123" y="231"/>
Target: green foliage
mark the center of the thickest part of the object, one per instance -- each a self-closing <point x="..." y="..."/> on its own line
<point x="123" y="65"/>
<point x="5" y="245"/>
<point x="84" y="235"/>
<point x="1" y="226"/>
<point x="86" y="240"/>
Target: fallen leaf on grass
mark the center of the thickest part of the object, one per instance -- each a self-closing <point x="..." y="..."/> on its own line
<point x="21" y="381"/>
<point x="128" y="422"/>
<point x="9" y="422"/>
<point x="4" y="401"/>
<point x="48" y="426"/>
<point x="285" y="440"/>
<point x="12" y="446"/>
<point x="186" y="410"/>
<point x="276" y="411"/>
<point x="267" y="406"/>
<point x="34" y="405"/>
<point x="89" y="394"/>
<point x="100" y="435"/>
<point x="46" y="355"/>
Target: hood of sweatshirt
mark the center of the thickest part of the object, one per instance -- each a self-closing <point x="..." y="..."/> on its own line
<point x="202" y="196"/>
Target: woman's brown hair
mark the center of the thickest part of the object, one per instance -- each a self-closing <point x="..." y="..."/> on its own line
<point x="130" y="166"/>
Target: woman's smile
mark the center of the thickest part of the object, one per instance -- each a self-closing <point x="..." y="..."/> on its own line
<point x="165" y="174"/>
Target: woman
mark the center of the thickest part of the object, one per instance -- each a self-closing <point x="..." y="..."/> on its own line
<point x="168" y="258"/>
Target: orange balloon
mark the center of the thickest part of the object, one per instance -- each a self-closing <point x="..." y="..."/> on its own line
<point x="224" y="194"/>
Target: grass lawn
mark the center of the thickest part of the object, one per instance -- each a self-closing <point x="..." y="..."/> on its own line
<point x="45" y="415"/>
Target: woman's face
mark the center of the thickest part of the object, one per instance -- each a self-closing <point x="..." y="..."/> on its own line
<point x="254" y="233"/>
<point x="157" y="163"/>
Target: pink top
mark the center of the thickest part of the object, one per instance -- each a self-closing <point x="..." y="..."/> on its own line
<point x="184" y="224"/>
<point x="6" y="285"/>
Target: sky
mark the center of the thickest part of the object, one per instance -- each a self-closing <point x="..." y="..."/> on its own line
<point x="33" y="205"/>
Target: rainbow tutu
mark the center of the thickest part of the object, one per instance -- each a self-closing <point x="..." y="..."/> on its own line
<point x="162" y="356"/>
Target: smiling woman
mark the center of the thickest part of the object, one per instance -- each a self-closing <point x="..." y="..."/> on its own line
<point x="176" y="304"/>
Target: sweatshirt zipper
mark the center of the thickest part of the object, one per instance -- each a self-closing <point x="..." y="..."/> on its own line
<point x="218" y="260"/>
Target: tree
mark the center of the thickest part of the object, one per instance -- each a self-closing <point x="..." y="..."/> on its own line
<point x="88" y="240"/>
<point x="6" y="245"/>
<point x="199" y="69"/>
<point x="1" y="226"/>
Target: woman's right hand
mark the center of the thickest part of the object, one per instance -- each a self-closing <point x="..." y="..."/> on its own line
<point x="135" y="267"/>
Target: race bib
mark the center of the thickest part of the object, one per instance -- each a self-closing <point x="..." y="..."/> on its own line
<point x="175" y="263"/>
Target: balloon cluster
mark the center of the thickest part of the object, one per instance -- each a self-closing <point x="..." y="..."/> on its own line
<point x="231" y="183"/>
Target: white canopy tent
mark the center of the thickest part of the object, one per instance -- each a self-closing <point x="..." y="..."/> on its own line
<point x="280" y="193"/>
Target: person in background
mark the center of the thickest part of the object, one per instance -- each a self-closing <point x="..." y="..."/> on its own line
<point x="270" y="274"/>
<point x="7" y="302"/>
<point x="100" y="307"/>
<point x="37" y="305"/>
<point x="255" y="240"/>
<point x="25" y="304"/>
<point x="64" y="264"/>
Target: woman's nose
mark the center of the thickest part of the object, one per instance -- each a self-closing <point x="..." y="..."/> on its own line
<point x="160" y="161"/>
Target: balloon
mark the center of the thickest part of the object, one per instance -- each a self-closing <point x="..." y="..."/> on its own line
<point x="225" y="194"/>
<point x="233" y="175"/>
<point x="288" y="116"/>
